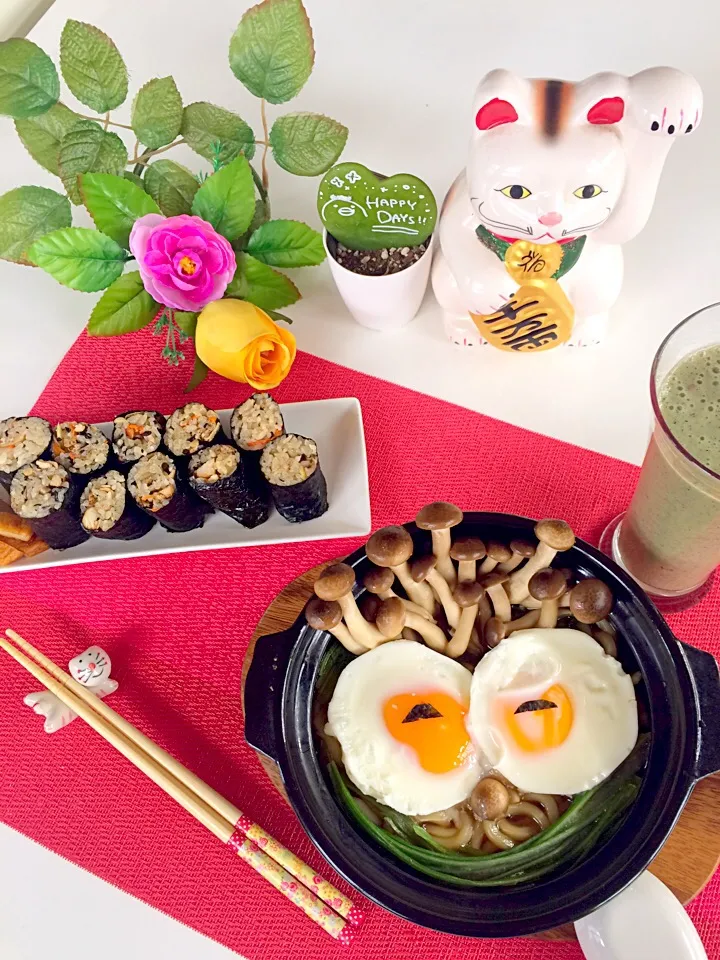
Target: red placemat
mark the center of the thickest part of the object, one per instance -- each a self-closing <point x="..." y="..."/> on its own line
<point x="177" y="628"/>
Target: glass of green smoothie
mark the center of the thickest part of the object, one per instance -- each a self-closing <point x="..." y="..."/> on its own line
<point x="669" y="538"/>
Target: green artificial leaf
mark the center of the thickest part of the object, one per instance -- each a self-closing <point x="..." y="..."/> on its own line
<point x="204" y="126"/>
<point x="26" y="214"/>
<point x="200" y="371"/>
<point x="79" y="258"/>
<point x="134" y="178"/>
<point x="29" y="84"/>
<point x="186" y="321"/>
<point x="41" y="136"/>
<point x="87" y="148"/>
<point x="261" y="285"/>
<point x="157" y="113"/>
<point x="261" y="215"/>
<point x="366" y="212"/>
<point x="115" y="204"/>
<point x="92" y="66"/>
<point x="272" y="50"/>
<point x="278" y="317"/>
<point x="227" y="199"/>
<point x="287" y="243"/>
<point x="124" y="307"/>
<point x="307" y="143"/>
<point x="171" y="186"/>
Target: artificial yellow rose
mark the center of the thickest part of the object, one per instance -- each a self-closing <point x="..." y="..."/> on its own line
<point x="239" y="341"/>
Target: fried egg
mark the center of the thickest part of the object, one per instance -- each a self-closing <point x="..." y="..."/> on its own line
<point x="552" y="712"/>
<point x="399" y="713"/>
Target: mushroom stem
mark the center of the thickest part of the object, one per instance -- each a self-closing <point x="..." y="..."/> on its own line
<point x="461" y="638"/>
<point x="335" y="583"/>
<point x="409" y="634"/>
<point x="441" y="548"/>
<point x="484" y="612"/>
<point x="441" y="588"/>
<point x="510" y="565"/>
<point x="526" y="622"/>
<point x="519" y="580"/>
<point x="500" y="602"/>
<point x="415" y="607"/>
<point x="341" y="633"/>
<point x="466" y="570"/>
<point x="430" y="632"/>
<point x="548" y="614"/>
<point x="488" y="565"/>
<point x="419" y="593"/>
<point x="360" y="630"/>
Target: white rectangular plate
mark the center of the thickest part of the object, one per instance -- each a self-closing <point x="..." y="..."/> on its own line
<point x="337" y="428"/>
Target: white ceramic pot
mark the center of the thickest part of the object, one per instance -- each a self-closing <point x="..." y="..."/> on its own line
<point x="381" y="303"/>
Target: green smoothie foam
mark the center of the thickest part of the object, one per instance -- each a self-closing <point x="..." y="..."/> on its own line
<point x="690" y="402"/>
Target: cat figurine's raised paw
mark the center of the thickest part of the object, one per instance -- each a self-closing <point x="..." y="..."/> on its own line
<point x="91" y="668"/>
<point x="559" y="176"/>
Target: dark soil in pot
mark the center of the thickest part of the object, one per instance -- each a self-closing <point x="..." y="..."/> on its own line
<point x="377" y="263"/>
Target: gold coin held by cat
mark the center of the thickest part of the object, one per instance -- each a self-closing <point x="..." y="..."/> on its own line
<point x="539" y="317"/>
<point x="525" y="260"/>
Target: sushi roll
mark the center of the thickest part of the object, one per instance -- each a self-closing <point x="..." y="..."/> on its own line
<point x="82" y="448"/>
<point x="108" y="512"/>
<point x="156" y="487"/>
<point x="291" y="466"/>
<point x="192" y="428"/>
<point x="135" y="434"/>
<point x="256" y="422"/>
<point x="218" y="475"/>
<point x="22" y="441"/>
<point x="43" y="494"/>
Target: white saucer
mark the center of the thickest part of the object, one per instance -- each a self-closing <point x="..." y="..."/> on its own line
<point x="645" y="922"/>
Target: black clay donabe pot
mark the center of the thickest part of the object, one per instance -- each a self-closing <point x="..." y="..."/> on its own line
<point x="683" y="693"/>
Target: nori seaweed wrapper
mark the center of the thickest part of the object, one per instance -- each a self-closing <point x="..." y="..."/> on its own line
<point x="301" y="501"/>
<point x="244" y="495"/>
<point x="61" y="528"/>
<point x="185" y="511"/>
<point x="132" y="523"/>
<point x="7" y="476"/>
<point x="121" y="462"/>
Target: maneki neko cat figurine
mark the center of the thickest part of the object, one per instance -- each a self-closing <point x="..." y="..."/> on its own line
<point x="559" y="176"/>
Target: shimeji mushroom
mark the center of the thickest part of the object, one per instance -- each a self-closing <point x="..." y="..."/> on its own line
<point x="494" y="632"/>
<point x="393" y="616"/>
<point x="521" y="550"/>
<point x="607" y="642"/>
<point x="392" y="547"/>
<point x="494" y="584"/>
<point x="526" y="622"/>
<point x="336" y="583"/>
<point x="590" y="600"/>
<point x="423" y="569"/>
<point x="490" y="799"/>
<point x="496" y="553"/>
<point x="380" y="580"/>
<point x="467" y="595"/>
<point x="554" y="536"/>
<point x="547" y="586"/>
<point x="327" y="615"/>
<point x="467" y="551"/>
<point x="439" y="518"/>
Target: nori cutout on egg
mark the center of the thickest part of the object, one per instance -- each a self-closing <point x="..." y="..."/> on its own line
<point x="422" y="711"/>
<point x="530" y="706"/>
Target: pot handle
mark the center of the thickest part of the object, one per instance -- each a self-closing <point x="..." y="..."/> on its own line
<point x="706" y="676"/>
<point x="263" y="691"/>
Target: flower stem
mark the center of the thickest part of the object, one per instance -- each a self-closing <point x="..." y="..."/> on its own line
<point x="105" y="121"/>
<point x="266" y="142"/>
<point x="144" y="159"/>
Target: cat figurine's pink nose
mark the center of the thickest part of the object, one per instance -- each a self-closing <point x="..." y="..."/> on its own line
<point x="551" y="219"/>
<point x="92" y="666"/>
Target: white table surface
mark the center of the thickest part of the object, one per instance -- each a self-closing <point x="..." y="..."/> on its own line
<point x="401" y="76"/>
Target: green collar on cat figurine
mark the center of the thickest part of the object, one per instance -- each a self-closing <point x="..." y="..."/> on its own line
<point x="571" y="250"/>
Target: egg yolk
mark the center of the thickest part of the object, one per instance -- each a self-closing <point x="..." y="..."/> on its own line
<point x="538" y="730"/>
<point x="438" y="737"/>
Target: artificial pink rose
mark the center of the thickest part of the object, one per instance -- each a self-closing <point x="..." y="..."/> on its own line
<point x="184" y="263"/>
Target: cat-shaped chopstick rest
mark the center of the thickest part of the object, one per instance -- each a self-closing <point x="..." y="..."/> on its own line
<point x="559" y="176"/>
<point x="91" y="668"/>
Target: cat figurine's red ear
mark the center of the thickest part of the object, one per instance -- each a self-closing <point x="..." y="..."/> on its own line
<point x="494" y="113"/>
<point x="607" y="110"/>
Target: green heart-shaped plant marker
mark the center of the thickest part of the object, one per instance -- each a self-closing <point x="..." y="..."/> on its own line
<point x="365" y="212"/>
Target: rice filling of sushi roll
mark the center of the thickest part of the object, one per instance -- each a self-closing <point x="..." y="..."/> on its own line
<point x="218" y="475"/>
<point x="106" y="510"/>
<point x="136" y="434"/>
<point x="291" y="466"/>
<point x="82" y="448"/>
<point x="155" y="486"/>
<point x="43" y="494"/>
<point x="256" y="422"/>
<point x="190" y="428"/>
<point x="22" y="440"/>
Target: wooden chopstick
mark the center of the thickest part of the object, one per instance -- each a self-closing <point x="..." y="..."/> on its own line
<point x="204" y="803"/>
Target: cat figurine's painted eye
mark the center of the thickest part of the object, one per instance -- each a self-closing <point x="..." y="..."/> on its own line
<point x="588" y="191"/>
<point x="516" y="191"/>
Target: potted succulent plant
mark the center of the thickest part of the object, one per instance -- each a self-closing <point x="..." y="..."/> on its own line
<point x="378" y="237"/>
